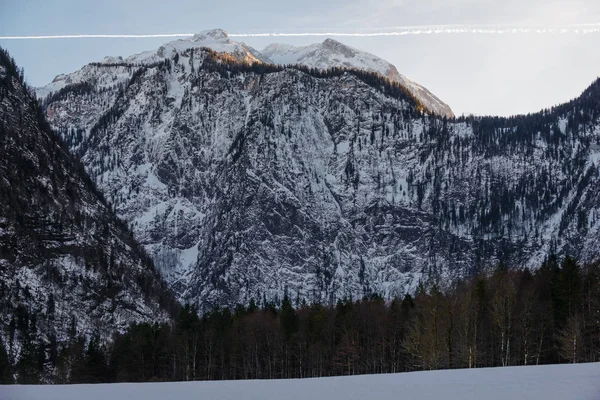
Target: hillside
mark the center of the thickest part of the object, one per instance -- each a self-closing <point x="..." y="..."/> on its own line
<point x="68" y="266"/>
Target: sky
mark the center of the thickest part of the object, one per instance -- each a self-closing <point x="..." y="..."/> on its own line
<point x="474" y="73"/>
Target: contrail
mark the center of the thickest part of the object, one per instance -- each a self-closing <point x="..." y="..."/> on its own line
<point x="96" y="36"/>
<point x="393" y="31"/>
<point x="435" y="31"/>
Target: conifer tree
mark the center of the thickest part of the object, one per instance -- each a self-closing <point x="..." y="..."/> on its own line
<point x="28" y="371"/>
<point x="6" y="376"/>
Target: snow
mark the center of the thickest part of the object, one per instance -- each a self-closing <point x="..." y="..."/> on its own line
<point x="332" y="53"/>
<point x="562" y="125"/>
<point x="594" y="155"/>
<point x="328" y="54"/>
<point x="152" y="180"/>
<point x="152" y="213"/>
<point x="189" y="257"/>
<point x="215" y="39"/>
<point x="549" y="382"/>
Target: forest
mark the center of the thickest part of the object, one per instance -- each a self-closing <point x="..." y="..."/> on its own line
<point x="499" y="318"/>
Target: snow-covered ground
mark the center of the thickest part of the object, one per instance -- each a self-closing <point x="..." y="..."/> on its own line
<point x="549" y="382"/>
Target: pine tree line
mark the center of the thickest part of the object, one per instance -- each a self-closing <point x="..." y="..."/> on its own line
<point x="506" y="317"/>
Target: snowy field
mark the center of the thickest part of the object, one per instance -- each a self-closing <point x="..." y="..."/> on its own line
<point x="560" y="382"/>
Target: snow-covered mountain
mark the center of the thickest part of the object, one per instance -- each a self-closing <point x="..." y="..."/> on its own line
<point x="332" y="53"/>
<point x="67" y="265"/>
<point x="216" y="39"/>
<point x="249" y="181"/>
<point x="328" y="54"/>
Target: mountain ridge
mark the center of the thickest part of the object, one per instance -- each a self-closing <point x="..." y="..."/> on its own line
<point x="332" y="53"/>
<point x="327" y="54"/>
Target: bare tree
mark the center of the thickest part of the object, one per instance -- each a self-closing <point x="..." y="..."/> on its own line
<point x="571" y="339"/>
<point x="502" y="313"/>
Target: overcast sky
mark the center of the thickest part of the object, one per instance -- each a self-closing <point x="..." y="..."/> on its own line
<point x="480" y="74"/>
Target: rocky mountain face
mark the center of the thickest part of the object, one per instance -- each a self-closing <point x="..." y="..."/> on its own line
<point x="332" y="53"/>
<point x="68" y="266"/>
<point x="252" y="181"/>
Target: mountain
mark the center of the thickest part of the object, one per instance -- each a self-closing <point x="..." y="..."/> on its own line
<point x="332" y="53"/>
<point x="328" y="54"/>
<point x="215" y="39"/>
<point x="255" y="181"/>
<point x="67" y="264"/>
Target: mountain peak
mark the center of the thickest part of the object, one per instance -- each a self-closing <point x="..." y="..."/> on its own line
<point x="338" y="47"/>
<point x="215" y="39"/>
<point x="331" y="53"/>
<point x="212" y="34"/>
